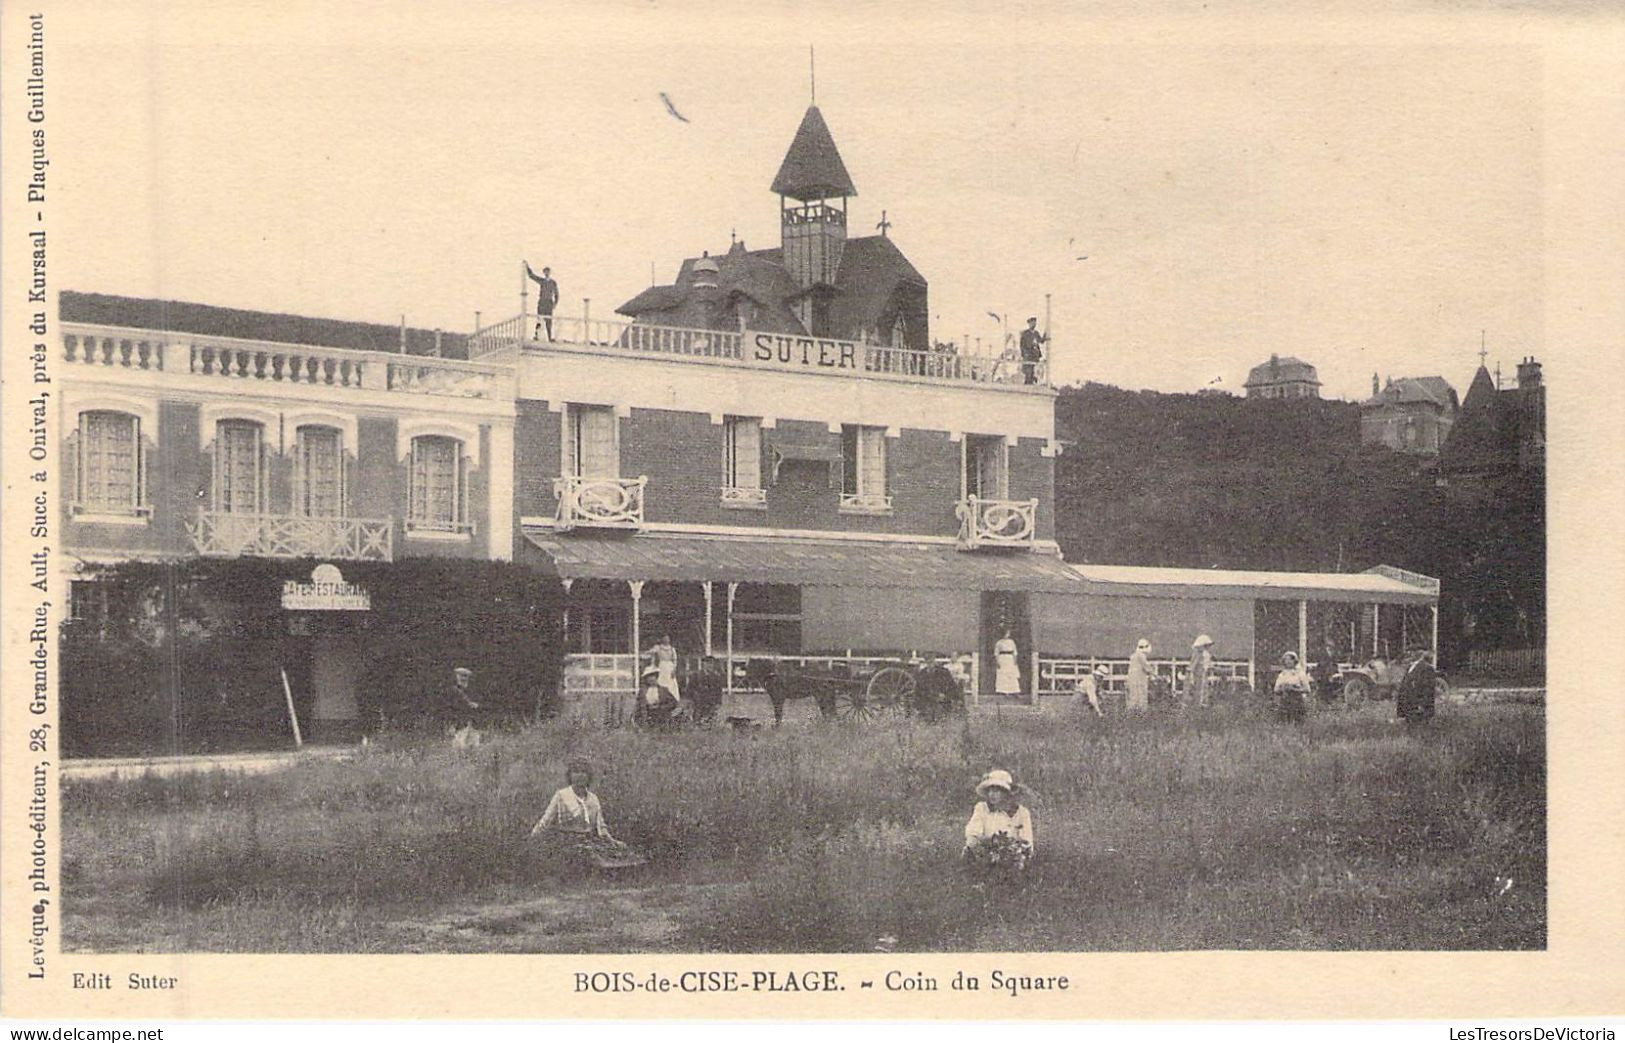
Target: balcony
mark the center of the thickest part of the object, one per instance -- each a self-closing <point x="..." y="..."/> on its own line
<point x="599" y="503"/>
<point x="264" y="362"/>
<point x="996" y="523"/>
<point x="217" y="534"/>
<point x="757" y="350"/>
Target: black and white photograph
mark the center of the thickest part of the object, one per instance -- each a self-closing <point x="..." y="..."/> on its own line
<point x="565" y="480"/>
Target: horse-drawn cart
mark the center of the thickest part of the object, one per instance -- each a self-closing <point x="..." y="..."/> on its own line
<point x="855" y="688"/>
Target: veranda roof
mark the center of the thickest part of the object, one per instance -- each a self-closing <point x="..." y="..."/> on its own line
<point x="1384" y="586"/>
<point x="843" y="563"/>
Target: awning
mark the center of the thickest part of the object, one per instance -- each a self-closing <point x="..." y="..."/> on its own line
<point x="841" y="563"/>
<point x="1378" y="585"/>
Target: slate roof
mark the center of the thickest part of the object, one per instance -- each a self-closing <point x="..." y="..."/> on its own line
<point x="812" y="168"/>
<point x="872" y="268"/>
<point x="211" y="321"/>
<point x="1406" y="390"/>
<point x="840" y="563"/>
<point x="1493" y="427"/>
<point x="1281" y="369"/>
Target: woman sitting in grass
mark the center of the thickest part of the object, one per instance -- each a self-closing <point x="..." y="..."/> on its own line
<point x="999" y="835"/>
<point x="574" y="821"/>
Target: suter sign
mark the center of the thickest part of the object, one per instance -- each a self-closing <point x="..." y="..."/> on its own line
<point x="784" y="350"/>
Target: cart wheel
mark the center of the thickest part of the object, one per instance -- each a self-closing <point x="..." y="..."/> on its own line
<point x="854" y="704"/>
<point x="1441" y="689"/>
<point x="1356" y="690"/>
<point x="890" y="687"/>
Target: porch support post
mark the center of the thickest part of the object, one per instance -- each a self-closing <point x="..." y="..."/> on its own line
<point x="1435" y="636"/>
<point x="1376" y="629"/>
<point x="636" y="586"/>
<point x="733" y="588"/>
<point x="1303" y="634"/>
<point x="564" y="616"/>
<point x="707" y="587"/>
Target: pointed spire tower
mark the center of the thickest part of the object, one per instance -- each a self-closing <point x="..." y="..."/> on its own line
<point x="812" y="224"/>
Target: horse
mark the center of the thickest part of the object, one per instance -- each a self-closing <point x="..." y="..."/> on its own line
<point x="764" y="674"/>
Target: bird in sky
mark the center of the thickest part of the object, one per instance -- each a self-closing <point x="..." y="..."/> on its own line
<point x="666" y="99"/>
<point x="995" y="316"/>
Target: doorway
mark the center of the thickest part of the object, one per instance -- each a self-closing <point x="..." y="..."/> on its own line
<point x="1006" y="611"/>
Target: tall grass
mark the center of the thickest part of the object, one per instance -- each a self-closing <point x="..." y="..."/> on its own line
<point x="1187" y="833"/>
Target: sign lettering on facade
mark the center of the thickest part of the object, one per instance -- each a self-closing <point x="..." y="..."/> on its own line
<point x="786" y="350"/>
<point x="327" y="591"/>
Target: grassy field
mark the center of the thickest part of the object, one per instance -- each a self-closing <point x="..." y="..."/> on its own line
<point x="1200" y="833"/>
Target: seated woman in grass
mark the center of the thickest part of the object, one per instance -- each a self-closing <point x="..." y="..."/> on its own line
<point x="574" y="822"/>
<point x="999" y="835"/>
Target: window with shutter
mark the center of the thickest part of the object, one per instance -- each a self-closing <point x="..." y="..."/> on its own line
<point x="110" y="475"/>
<point x="436" y="501"/>
<point x="238" y="467"/>
<point x="319" y="473"/>
<point x="593" y="450"/>
<point x="742" y="462"/>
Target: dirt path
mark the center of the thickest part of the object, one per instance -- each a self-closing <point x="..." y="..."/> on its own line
<point x="606" y="919"/>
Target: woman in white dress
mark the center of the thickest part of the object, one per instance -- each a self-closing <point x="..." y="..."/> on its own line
<point x="665" y="661"/>
<point x="1139" y="678"/>
<point x="1006" y="669"/>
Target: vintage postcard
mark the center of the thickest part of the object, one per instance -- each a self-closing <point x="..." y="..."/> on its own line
<point x="857" y="511"/>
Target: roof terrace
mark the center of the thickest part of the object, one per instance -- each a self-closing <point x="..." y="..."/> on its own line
<point x="759" y="350"/>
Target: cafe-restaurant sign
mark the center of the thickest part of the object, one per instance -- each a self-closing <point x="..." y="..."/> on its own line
<point x="327" y="591"/>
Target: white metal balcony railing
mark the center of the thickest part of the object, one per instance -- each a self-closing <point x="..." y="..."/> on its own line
<point x="600" y="503"/>
<point x="743" y="496"/>
<point x="224" y="535"/>
<point x="271" y="362"/>
<point x="996" y="523"/>
<point x="735" y="347"/>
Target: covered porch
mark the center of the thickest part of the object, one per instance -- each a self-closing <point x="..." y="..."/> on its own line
<point x="841" y="606"/>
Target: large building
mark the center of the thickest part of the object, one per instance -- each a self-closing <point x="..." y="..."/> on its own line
<point x="1409" y="414"/>
<point x="1279" y="377"/>
<point x="201" y="432"/>
<point x="767" y="460"/>
<point x="763" y="459"/>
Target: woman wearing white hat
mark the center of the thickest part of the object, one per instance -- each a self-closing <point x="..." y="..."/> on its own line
<point x="1139" y="678"/>
<point x="999" y="834"/>
<point x="1291" y="689"/>
<point x="1201" y="666"/>
<point x="1088" y="688"/>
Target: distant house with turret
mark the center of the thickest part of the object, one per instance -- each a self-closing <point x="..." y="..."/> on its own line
<point x="1283" y="377"/>
<point x="1409" y="414"/>
<point x="1501" y="432"/>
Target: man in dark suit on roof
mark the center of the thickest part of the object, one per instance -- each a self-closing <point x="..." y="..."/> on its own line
<point x="1032" y="350"/>
<point x="547" y="298"/>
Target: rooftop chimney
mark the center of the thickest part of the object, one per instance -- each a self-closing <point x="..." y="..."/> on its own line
<point x="1529" y="373"/>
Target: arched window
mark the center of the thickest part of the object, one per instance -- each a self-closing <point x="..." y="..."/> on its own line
<point x="239" y="467"/>
<point x="111" y="477"/>
<point x="318" y="472"/>
<point x="438" y="501"/>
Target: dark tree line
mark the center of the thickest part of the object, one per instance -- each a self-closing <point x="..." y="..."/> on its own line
<point x="1222" y="482"/>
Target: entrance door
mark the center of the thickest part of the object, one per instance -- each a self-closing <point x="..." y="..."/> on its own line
<point x="1006" y="612"/>
<point x="335" y="667"/>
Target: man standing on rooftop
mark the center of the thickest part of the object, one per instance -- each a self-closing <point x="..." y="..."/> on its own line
<point x="1032" y="350"/>
<point x="547" y="297"/>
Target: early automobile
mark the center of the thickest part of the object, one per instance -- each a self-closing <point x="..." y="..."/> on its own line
<point x="1376" y="679"/>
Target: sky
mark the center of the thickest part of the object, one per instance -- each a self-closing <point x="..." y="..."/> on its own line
<point x="1193" y="193"/>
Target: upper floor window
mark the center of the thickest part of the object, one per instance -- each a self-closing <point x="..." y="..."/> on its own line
<point x="987" y="470"/>
<point x="863" y="468"/>
<point x="742" y="461"/>
<point x="591" y="445"/>
<point x="111" y="476"/>
<point x="438" y="499"/>
<point x="318" y="472"/>
<point x="239" y="467"/>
